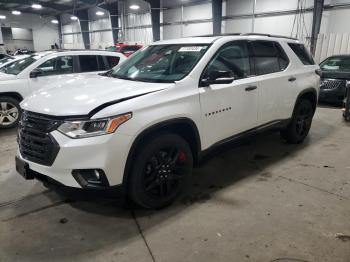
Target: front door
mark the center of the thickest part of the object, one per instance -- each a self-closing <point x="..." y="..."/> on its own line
<point x="229" y="109"/>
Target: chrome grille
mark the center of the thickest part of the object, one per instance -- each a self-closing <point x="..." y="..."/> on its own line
<point x="34" y="139"/>
<point x="332" y="83"/>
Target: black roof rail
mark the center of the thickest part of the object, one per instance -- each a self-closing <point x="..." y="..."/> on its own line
<point x="247" y="34"/>
<point x="269" y="35"/>
<point x="212" y="35"/>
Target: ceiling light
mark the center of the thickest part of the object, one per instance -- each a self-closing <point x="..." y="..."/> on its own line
<point x="2" y="16"/>
<point x="15" y="12"/>
<point x="73" y="17"/>
<point x="54" y="21"/>
<point x="100" y="13"/>
<point x="36" y="6"/>
<point x="134" y="7"/>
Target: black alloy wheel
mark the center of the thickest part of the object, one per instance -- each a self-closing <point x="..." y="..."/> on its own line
<point x="300" y="124"/>
<point x="161" y="171"/>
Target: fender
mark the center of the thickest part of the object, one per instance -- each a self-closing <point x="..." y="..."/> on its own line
<point x="305" y="91"/>
<point x="167" y="124"/>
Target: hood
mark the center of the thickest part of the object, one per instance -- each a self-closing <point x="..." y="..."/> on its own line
<point x="4" y="76"/>
<point x="335" y="75"/>
<point x="86" y="95"/>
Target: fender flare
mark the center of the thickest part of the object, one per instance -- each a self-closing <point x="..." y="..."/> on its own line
<point x="153" y="129"/>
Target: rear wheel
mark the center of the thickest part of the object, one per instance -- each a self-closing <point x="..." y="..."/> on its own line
<point x="300" y="125"/>
<point x="161" y="171"/>
<point x="10" y="112"/>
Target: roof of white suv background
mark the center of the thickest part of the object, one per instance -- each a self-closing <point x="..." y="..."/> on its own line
<point x="55" y="53"/>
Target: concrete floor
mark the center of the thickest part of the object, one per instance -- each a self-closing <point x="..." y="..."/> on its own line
<point x="262" y="201"/>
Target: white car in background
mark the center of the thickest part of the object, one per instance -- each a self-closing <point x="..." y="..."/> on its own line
<point x="23" y="75"/>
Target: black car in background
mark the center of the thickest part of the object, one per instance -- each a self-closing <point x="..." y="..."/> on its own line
<point x="335" y="73"/>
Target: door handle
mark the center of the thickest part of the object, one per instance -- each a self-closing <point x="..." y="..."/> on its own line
<point x="250" y="88"/>
<point x="292" y="79"/>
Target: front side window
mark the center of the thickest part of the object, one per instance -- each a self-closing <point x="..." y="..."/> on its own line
<point x="161" y="63"/>
<point x="233" y="59"/>
<point x="269" y="57"/>
<point x="57" y="66"/>
<point x="337" y="63"/>
<point x="88" y="63"/>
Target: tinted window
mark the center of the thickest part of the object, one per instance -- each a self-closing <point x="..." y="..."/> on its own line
<point x="101" y="63"/>
<point x="234" y="58"/>
<point x="336" y="63"/>
<point x="57" y="66"/>
<point x="112" y="61"/>
<point x="88" y="63"/>
<point x="269" y="57"/>
<point x="303" y="54"/>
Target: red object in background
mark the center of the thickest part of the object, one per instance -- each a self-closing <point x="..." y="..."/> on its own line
<point x="126" y="49"/>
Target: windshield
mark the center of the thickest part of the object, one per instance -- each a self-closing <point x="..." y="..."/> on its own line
<point x="5" y="60"/>
<point x="341" y="64"/>
<point x="160" y="63"/>
<point x="19" y="65"/>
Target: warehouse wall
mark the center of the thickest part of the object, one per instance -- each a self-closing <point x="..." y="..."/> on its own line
<point x="40" y="26"/>
<point x="272" y="16"/>
<point x="138" y="28"/>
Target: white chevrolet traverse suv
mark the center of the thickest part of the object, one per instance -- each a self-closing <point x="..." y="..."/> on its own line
<point x="144" y="124"/>
<point x="29" y="73"/>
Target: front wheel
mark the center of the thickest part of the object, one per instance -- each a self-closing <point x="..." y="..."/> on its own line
<point x="300" y="124"/>
<point x="10" y="112"/>
<point x="161" y="171"/>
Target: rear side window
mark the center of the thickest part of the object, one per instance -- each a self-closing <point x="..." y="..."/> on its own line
<point x="101" y="63"/>
<point x="303" y="54"/>
<point x="88" y="63"/>
<point x="269" y="57"/>
<point x="112" y="61"/>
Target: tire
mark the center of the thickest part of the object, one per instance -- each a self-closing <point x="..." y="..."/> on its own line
<point x="10" y="112"/>
<point x="300" y="124"/>
<point x="161" y="171"/>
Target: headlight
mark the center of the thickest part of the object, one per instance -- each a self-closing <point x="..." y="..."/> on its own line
<point x="95" y="127"/>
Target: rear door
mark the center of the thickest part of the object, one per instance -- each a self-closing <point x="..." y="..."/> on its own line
<point x="229" y="109"/>
<point x="275" y="83"/>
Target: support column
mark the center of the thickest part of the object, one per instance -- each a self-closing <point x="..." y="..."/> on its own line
<point x="84" y="25"/>
<point x="316" y="23"/>
<point x="60" y="36"/>
<point x="217" y="16"/>
<point x="155" y="17"/>
<point x="113" y="10"/>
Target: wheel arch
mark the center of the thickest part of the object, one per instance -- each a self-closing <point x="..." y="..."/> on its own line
<point x="310" y="94"/>
<point x="184" y="127"/>
<point x="13" y="95"/>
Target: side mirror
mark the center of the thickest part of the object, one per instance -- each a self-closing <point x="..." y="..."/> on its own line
<point x="35" y="73"/>
<point x="218" y="77"/>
